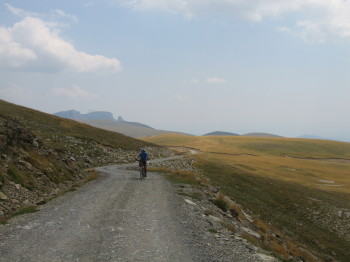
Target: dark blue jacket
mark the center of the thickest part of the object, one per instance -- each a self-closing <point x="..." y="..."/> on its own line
<point x="143" y="156"/>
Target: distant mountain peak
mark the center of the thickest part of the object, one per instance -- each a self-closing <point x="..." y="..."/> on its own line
<point x="97" y="115"/>
<point x="120" y="119"/>
<point x="73" y="114"/>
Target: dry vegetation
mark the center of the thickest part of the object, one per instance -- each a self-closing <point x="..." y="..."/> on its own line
<point x="297" y="185"/>
<point x="42" y="155"/>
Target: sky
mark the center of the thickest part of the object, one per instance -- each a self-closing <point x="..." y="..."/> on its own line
<point x="194" y="66"/>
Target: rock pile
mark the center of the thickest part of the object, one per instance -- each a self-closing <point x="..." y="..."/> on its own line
<point x="177" y="164"/>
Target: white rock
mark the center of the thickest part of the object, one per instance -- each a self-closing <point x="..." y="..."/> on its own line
<point x="340" y="213"/>
<point x="190" y="202"/>
<point x="3" y="196"/>
<point x="266" y="258"/>
<point x="251" y="232"/>
<point x="18" y="186"/>
<point x="35" y="143"/>
<point x="216" y="219"/>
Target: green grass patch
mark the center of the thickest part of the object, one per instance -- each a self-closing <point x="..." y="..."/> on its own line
<point x="15" y="176"/>
<point x="212" y="230"/>
<point x="221" y="203"/>
<point x="24" y="210"/>
<point x="20" y="177"/>
<point x="21" y="211"/>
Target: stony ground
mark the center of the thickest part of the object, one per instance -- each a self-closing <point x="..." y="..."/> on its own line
<point x="120" y="218"/>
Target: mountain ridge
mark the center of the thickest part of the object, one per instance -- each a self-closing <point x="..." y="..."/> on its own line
<point x="95" y="115"/>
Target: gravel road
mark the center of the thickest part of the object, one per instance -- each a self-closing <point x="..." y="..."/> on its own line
<point x="115" y="218"/>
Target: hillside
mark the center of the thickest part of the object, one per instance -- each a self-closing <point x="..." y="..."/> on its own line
<point x="125" y="128"/>
<point x="43" y="155"/>
<point x="220" y="133"/>
<point x="106" y="121"/>
<point x="301" y="187"/>
<point x="260" y="135"/>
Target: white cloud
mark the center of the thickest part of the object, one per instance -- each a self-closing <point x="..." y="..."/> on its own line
<point x="56" y="13"/>
<point x="75" y="92"/>
<point x="12" y="53"/>
<point x="20" y="12"/>
<point x="216" y="80"/>
<point x="64" y="14"/>
<point x="319" y="18"/>
<point x="36" y="45"/>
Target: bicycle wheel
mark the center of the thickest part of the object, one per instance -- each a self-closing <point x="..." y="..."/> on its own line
<point x="141" y="173"/>
<point x="144" y="172"/>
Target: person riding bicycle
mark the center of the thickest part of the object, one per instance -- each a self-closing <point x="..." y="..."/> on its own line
<point x="143" y="157"/>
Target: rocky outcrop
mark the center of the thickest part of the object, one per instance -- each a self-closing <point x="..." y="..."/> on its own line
<point x="73" y="114"/>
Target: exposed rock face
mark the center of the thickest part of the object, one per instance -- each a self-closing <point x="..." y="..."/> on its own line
<point x="73" y="114"/>
<point x="33" y="168"/>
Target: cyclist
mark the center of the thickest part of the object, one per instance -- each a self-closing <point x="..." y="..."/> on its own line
<point x="143" y="157"/>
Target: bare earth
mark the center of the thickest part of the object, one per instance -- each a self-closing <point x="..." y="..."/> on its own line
<point x="117" y="218"/>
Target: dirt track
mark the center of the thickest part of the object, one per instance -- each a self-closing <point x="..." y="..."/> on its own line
<point x="114" y="218"/>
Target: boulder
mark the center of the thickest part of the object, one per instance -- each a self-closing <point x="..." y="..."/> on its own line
<point x="3" y="196"/>
<point x="214" y="189"/>
<point x="35" y="143"/>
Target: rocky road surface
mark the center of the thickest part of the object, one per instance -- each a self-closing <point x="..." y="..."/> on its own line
<point x="117" y="217"/>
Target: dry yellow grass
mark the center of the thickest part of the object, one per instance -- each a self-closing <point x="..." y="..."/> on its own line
<point x="295" y="185"/>
<point x="314" y="163"/>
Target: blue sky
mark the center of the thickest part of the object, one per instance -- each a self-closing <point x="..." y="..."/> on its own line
<point x="187" y="65"/>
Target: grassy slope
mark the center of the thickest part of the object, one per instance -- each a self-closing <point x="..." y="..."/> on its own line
<point x="46" y="126"/>
<point x="284" y="191"/>
<point x="58" y="141"/>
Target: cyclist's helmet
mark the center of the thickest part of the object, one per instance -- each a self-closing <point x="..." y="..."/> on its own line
<point x="143" y="150"/>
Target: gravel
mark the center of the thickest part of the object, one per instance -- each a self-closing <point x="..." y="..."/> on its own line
<point x="118" y="217"/>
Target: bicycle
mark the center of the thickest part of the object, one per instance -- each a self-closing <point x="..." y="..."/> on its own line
<point x="142" y="170"/>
